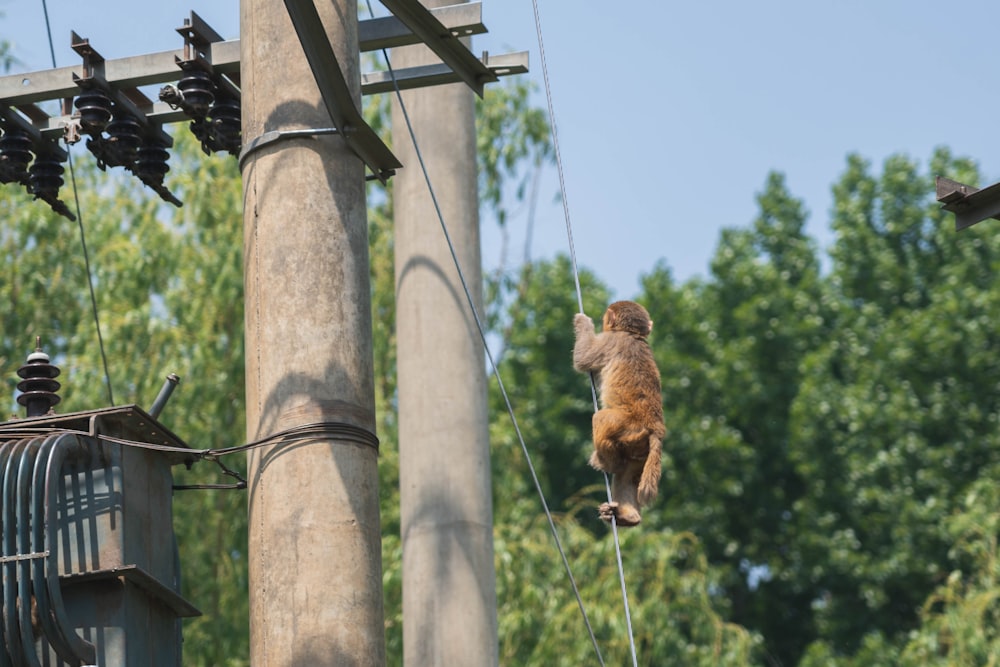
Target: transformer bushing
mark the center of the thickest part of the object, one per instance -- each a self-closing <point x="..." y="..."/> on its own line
<point x="38" y="386"/>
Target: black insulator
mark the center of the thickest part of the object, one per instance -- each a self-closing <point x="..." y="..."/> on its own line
<point x="202" y="132"/>
<point x="94" y="106"/>
<point x="45" y="177"/>
<point x="124" y="139"/>
<point x="15" y="155"/>
<point x="197" y="93"/>
<point x="38" y="388"/>
<point x="151" y="164"/>
<point x="225" y="115"/>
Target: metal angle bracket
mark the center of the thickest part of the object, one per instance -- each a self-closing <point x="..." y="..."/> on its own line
<point x="970" y="205"/>
<point x="337" y="97"/>
<point x="387" y="32"/>
<point x="199" y="37"/>
<point x="128" y="99"/>
<point x="439" y="73"/>
<point x="443" y="42"/>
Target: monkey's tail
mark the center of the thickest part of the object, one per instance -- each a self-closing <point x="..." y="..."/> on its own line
<point x="649" y="483"/>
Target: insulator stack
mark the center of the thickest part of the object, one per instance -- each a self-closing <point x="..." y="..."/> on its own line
<point x="202" y="131"/>
<point x="124" y="139"/>
<point x="38" y="388"/>
<point x="15" y="155"/>
<point x="95" y="107"/>
<point x="197" y="93"/>
<point x="45" y="177"/>
<point x="44" y="181"/>
<point x="151" y="164"/>
<point x="225" y="115"/>
<point x="212" y="107"/>
<point x="118" y="138"/>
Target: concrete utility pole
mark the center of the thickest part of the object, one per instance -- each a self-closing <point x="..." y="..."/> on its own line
<point x="449" y="582"/>
<point x="314" y="542"/>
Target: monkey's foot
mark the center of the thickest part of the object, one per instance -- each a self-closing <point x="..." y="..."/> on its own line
<point x="624" y="515"/>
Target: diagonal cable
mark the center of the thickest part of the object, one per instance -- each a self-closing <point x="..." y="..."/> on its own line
<point x="489" y="354"/>
<point x="83" y="236"/>
<point x="579" y="298"/>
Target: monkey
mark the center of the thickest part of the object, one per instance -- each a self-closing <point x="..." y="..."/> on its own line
<point x="629" y="428"/>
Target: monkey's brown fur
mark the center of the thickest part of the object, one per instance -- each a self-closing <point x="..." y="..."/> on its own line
<point x="628" y="429"/>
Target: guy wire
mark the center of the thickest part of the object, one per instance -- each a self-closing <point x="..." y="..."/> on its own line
<point x="579" y="298"/>
<point x="486" y="347"/>
<point x="83" y="236"/>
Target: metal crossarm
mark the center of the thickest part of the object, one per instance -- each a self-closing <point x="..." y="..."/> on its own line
<point x="970" y="205"/>
<point x="388" y="32"/>
<point x="119" y="81"/>
<point x="336" y="94"/>
<point x="443" y="42"/>
<point x="431" y="75"/>
<point x="21" y="92"/>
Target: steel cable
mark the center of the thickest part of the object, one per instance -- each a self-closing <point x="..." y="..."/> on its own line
<point x="83" y="236"/>
<point x="579" y="298"/>
<point x="489" y="354"/>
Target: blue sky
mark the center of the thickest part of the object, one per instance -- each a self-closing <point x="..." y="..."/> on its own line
<point x="671" y="114"/>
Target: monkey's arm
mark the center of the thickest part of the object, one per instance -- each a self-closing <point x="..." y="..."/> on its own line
<point x="588" y="352"/>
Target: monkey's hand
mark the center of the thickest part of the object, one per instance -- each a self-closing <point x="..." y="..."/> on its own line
<point x="586" y="352"/>
<point x="582" y="323"/>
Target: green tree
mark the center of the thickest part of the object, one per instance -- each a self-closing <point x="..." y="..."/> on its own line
<point x="7" y="59"/>
<point x="168" y="287"/>
<point x="894" y="421"/>
<point x="204" y="307"/>
<point x="730" y="350"/>
<point x="960" y="618"/>
<point x="674" y="619"/>
<point x="823" y="427"/>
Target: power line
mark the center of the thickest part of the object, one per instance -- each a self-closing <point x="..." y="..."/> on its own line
<point x="486" y="347"/>
<point x="83" y="236"/>
<point x="579" y="298"/>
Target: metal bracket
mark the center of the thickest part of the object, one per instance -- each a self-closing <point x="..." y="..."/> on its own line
<point x="387" y="32"/>
<point x="441" y="41"/>
<point x="431" y="75"/>
<point x="22" y="92"/>
<point x="198" y="40"/>
<point x="337" y="97"/>
<point x="970" y="205"/>
<point x="19" y="557"/>
<point x="277" y="135"/>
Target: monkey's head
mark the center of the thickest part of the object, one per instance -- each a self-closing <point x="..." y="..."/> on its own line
<point x="627" y="316"/>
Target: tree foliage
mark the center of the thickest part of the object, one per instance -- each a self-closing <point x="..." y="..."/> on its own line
<point x="896" y="420"/>
<point x="823" y="427"/>
<point x="168" y="291"/>
<point x="828" y="497"/>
